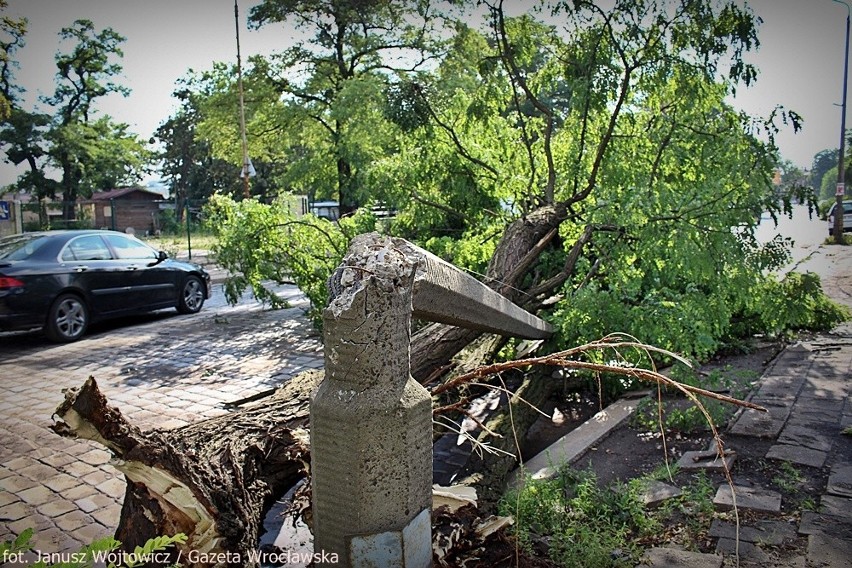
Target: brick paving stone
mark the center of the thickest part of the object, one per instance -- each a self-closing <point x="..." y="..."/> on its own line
<point x="56" y="508"/>
<point x="96" y="478"/>
<point x="108" y="516"/>
<point x="748" y="499"/>
<point x="15" y="511"/>
<point x="78" y="469"/>
<point x="95" y="457"/>
<point x="7" y="498"/>
<point x="797" y="454"/>
<point x="260" y="350"/>
<point x="54" y="458"/>
<point x="38" y="495"/>
<point x="38" y="472"/>
<point x="73" y="520"/>
<point x="61" y="482"/>
<point x="19" y="463"/>
<point x="33" y="520"/>
<point x="94" y="502"/>
<point x="115" y="486"/>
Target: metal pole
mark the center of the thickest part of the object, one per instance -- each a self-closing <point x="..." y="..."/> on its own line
<point x="188" y="236"/>
<point x="244" y="142"/>
<point x="841" y="170"/>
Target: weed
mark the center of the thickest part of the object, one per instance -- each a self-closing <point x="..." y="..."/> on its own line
<point x="586" y="525"/>
<point x="788" y="479"/>
<point x="690" y="419"/>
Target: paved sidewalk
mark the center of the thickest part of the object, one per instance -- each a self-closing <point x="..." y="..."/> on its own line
<point x="166" y="372"/>
<point x="807" y="392"/>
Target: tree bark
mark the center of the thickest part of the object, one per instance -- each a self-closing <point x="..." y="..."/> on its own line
<point x="213" y="480"/>
<point x="436" y="344"/>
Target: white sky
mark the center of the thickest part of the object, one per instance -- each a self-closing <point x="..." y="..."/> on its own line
<point x="800" y="59"/>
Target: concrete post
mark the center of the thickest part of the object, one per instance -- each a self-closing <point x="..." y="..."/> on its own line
<point x="371" y="423"/>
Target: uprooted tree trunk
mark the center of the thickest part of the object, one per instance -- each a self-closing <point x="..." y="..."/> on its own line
<point x="213" y="480"/>
<point x="216" y="479"/>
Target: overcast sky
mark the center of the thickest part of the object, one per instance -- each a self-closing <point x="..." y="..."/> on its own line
<point x="800" y="58"/>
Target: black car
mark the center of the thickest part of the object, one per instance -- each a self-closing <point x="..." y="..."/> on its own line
<point x="64" y="280"/>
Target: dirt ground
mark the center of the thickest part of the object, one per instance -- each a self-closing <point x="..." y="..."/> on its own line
<point x="635" y="449"/>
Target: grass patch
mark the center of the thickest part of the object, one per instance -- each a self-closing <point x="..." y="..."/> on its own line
<point x="178" y="242"/>
<point x="680" y="415"/>
<point x="575" y="522"/>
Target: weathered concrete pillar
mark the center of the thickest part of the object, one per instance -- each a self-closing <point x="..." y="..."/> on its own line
<point x="371" y="423"/>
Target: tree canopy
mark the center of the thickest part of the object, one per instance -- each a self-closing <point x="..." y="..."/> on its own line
<point x="584" y="160"/>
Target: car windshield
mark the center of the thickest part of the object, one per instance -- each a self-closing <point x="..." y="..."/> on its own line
<point x="20" y="247"/>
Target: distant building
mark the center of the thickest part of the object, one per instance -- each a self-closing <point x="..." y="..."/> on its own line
<point x="134" y="208"/>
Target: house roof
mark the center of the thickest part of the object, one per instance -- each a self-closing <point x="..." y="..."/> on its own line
<point x="121" y="192"/>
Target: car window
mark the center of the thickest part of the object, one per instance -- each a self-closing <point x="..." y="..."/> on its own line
<point x="128" y="248"/>
<point x="20" y="247"/>
<point x="89" y="247"/>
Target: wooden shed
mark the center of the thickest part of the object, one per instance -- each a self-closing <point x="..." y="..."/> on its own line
<point x="133" y="208"/>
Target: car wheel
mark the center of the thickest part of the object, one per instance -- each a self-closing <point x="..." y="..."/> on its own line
<point x="191" y="296"/>
<point x="67" y="319"/>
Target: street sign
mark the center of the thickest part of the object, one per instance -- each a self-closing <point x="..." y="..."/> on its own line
<point x="4" y="211"/>
<point x="841" y="189"/>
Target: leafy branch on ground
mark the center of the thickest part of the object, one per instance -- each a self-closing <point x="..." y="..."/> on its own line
<point x="102" y="551"/>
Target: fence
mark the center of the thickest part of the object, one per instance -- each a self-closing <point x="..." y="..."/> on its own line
<point x="142" y="217"/>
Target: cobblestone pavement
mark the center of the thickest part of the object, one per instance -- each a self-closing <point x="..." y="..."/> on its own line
<point x="161" y="370"/>
<point x="807" y="393"/>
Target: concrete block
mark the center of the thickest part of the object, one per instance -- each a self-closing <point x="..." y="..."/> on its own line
<point x="840" y="480"/>
<point x="797" y="454"/>
<point x="674" y="558"/>
<point x="748" y="499"/>
<point x="829" y="551"/>
<point x="571" y="446"/>
<point x="656" y="492"/>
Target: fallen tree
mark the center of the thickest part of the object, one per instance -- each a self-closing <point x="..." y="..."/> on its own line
<point x="213" y="480"/>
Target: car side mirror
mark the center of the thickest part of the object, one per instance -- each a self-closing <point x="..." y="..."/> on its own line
<point x="162" y="255"/>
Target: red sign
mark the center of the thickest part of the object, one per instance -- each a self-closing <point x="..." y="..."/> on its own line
<point x="841" y="189"/>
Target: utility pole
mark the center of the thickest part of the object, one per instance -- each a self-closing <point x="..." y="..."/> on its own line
<point x="841" y="170"/>
<point x="246" y="171"/>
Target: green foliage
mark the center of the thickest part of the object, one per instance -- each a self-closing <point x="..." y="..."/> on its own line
<point x="586" y="524"/>
<point x="788" y="479"/>
<point x="796" y="302"/>
<point x="681" y="415"/>
<point x="100" y="552"/>
<point x="261" y="243"/>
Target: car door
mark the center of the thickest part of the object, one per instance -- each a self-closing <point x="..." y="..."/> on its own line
<point x="88" y="265"/>
<point x="151" y="284"/>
